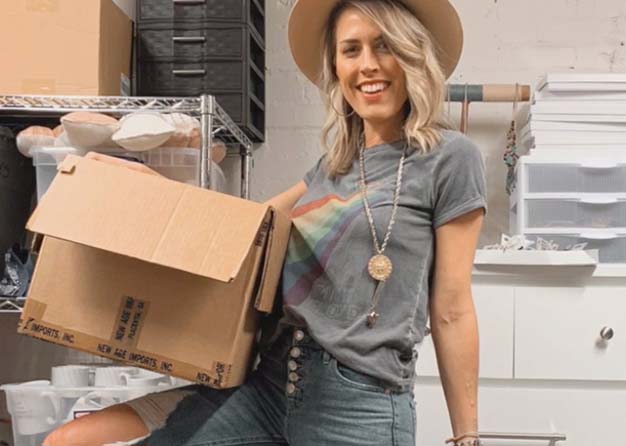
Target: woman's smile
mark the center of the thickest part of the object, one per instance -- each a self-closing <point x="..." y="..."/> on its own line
<point x="373" y="91"/>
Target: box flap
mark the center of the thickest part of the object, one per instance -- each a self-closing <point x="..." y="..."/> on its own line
<point x="278" y="238"/>
<point x="149" y="218"/>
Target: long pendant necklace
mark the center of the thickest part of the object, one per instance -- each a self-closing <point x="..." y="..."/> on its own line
<point x="379" y="265"/>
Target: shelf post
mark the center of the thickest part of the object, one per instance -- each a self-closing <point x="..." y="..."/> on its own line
<point x="207" y="111"/>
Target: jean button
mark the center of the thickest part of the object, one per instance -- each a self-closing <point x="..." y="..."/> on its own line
<point x="292" y="365"/>
<point x="295" y="352"/>
<point x="291" y="388"/>
<point x="298" y="335"/>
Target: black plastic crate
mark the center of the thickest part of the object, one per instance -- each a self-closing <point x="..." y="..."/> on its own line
<point x="250" y="12"/>
<point x="199" y="42"/>
<point x="246" y="112"/>
<point x="255" y="120"/>
<point x="187" y="78"/>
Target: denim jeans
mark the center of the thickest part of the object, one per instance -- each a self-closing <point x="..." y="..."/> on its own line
<point x="299" y="395"/>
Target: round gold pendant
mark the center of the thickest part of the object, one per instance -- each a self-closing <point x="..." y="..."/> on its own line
<point x="380" y="267"/>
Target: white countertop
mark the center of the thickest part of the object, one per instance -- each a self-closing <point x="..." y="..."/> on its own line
<point x="530" y="263"/>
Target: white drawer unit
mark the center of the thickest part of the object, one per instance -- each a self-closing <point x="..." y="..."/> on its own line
<point x="570" y="193"/>
<point x="570" y="333"/>
<point x="494" y="310"/>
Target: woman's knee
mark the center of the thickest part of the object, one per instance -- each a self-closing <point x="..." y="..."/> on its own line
<point x="112" y="424"/>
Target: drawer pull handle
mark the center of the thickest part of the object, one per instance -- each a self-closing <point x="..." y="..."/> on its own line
<point x="552" y="438"/>
<point x="598" y="165"/>
<point x="598" y="236"/>
<point x="189" y="39"/>
<point x="599" y="200"/>
<point x="188" y="72"/>
<point x="189" y="2"/>
<point x="606" y="333"/>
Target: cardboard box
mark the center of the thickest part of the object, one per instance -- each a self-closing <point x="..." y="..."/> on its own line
<point x="65" y="47"/>
<point x="152" y="272"/>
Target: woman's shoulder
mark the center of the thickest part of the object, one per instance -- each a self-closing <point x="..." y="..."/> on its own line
<point x="452" y="151"/>
<point x="453" y="139"/>
<point x="451" y="143"/>
<point x="454" y="144"/>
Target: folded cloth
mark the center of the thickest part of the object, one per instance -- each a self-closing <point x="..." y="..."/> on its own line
<point x="18" y="270"/>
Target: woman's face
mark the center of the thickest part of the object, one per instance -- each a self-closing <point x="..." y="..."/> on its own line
<point x="371" y="79"/>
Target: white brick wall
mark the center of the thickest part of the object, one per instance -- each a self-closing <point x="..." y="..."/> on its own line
<point x="506" y="41"/>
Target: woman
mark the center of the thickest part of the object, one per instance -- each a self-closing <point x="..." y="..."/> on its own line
<point x="385" y="228"/>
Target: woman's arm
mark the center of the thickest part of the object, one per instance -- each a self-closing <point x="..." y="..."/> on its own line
<point x="453" y="319"/>
<point x="286" y="200"/>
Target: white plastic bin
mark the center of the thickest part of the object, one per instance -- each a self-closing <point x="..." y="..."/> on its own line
<point x="45" y="160"/>
<point x="581" y="212"/>
<point x="174" y="163"/>
<point x="579" y="177"/>
<point x="558" y="171"/>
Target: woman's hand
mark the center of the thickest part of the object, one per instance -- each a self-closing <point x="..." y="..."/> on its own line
<point x="138" y="167"/>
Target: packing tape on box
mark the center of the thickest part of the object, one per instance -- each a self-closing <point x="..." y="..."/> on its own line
<point x="36" y="309"/>
<point x="42" y="5"/>
<point x="68" y="165"/>
<point x="217" y="377"/>
<point x="130" y="316"/>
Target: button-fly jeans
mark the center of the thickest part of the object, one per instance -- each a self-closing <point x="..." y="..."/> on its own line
<point x="299" y="395"/>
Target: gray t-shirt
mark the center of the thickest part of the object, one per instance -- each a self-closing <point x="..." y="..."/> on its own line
<point x="325" y="285"/>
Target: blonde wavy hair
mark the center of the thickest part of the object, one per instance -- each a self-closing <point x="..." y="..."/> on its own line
<point x="414" y="49"/>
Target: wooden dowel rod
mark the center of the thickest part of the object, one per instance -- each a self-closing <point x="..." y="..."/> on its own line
<point x="488" y="93"/>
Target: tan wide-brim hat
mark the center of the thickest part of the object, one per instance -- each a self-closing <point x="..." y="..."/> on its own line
<point x="308" y="19"/>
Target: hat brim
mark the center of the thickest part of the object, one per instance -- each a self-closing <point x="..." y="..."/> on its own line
<point x="308" y="19"/>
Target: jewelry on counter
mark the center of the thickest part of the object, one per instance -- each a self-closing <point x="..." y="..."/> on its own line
<point x="546" y="245"/>
<point x="379" y="265"/>
<point x="519" y="242"/>
<point x="513" y="242"/>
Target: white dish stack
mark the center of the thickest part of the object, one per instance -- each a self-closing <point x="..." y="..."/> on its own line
<point x="578" y="112"/>
<point x="39" y="407"/>
<point x="571" y="186"/>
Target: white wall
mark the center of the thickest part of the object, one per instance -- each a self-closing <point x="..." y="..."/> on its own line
<point x="506" y="41"/>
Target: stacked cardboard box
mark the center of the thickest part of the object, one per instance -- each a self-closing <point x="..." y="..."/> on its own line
<point x="65" y="47"/>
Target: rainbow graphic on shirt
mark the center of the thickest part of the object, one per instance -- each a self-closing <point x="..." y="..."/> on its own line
<point x="319" y="225"/>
